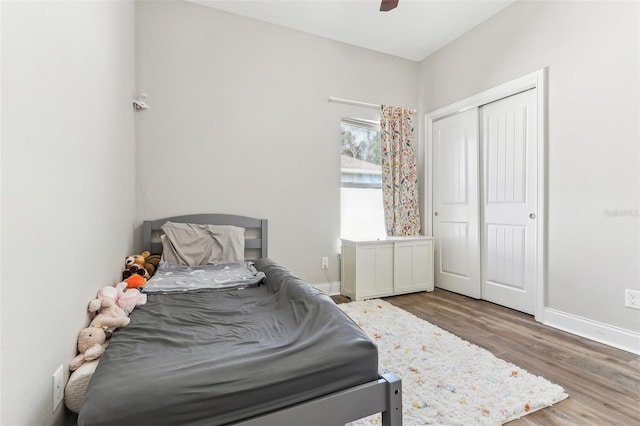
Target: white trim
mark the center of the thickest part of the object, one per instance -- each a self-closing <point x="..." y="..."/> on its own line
<point x="1" y="98"/>
<point x="610" y="335"/>
<point x="355" y="103"/>
<point x="428" y="174"/>
<point x="526" y="82"/>
<point x="541" y="86"/>
<point x="329" y="288"/>
<point x="358" y="103"/>
<point x="537" y="80"/>
<point x="361" y="122"/>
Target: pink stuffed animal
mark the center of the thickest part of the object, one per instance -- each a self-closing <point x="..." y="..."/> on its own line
<point x="108" y="315"/>
<point x="127" y="300"/>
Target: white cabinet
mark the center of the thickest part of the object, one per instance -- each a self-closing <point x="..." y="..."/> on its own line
<point x="384" y="267"/>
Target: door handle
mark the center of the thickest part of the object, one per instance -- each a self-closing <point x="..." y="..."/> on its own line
<point x="532" y="215"/>
<point x="435" y="213"/>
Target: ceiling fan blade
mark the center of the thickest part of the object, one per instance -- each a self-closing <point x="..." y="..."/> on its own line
<point x="388" y="5"/>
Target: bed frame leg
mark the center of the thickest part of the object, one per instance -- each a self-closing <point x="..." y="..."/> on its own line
<point x="393" y="415"/>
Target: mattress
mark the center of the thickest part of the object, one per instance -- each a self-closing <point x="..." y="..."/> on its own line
<point x="216" y="357"/>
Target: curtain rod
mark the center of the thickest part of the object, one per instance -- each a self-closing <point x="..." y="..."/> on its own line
<point x="357" y="103"/>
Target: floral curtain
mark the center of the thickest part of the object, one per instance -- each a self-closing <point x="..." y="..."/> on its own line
<point x="399" y="176"/>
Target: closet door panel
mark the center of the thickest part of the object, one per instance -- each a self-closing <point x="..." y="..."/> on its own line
<point x="509" y="169"/>
<point x="506" y="255"/>
<point x="456" y="203"/>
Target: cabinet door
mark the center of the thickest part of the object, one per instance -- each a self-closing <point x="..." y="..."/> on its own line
<point x="423" y="265"/>
<point x="348" y="280"/>
<point x="374" y="270"/>
<point x="413" y="266"/>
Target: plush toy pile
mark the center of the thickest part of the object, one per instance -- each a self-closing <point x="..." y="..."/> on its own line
<point x="107" y="316"/>
<point x="139" y="268"/>
<point x="109" y="310"/>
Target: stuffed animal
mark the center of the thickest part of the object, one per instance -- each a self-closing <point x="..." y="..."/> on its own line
<point x="145" y="261"/>
<point x="108" y="314"/>
<point x="109" y="292"/>
<point x="134" y="275"/>
<point x="91" y="345"/>
<point x="151" y="263"/>
<point x="134" y="280"/>
<point x="127" y="300"/>
<point x="135" y="269"/>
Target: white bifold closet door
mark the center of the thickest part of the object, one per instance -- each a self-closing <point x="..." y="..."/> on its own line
<point x="485" y="201"/>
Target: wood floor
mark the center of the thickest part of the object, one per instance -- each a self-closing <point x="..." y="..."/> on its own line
<point x="603" y="383"/>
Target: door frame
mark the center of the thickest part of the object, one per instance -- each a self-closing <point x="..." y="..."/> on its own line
<point x="537" y="80"/>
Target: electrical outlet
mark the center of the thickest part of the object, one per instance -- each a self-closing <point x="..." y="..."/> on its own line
<point x="325" y="263"/>
<point x="632" y="299"/>
<point x="58" y="387"/>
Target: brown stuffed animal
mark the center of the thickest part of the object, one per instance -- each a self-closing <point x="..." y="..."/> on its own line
<point x="109" y="315"/>
<point x="151" y="263"/>
<point x="145" y="261"/>
<point x="91" y="344"/>
<point x="135" y="269"/>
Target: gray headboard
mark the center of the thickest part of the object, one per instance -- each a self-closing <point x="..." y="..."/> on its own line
<point x="255" y="243"/>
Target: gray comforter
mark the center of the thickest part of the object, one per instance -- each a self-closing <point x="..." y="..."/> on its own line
<point x="215" y="357"/>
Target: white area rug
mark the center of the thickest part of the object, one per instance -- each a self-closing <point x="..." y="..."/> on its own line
<point x="447" y="380"/>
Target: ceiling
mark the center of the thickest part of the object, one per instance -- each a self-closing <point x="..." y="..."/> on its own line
<point x="414" y="30"/>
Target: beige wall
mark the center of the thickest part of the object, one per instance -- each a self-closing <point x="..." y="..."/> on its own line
<point x="591" y="52"/>
<point x="240" y="123"/>
<point x="67" y="184"/>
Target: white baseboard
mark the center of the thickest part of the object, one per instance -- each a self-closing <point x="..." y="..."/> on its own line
<point x="617" y="337"/>
<point x="330" y="288"/>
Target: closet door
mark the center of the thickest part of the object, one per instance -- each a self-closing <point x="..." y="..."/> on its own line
<point x="456" y="203"/>
<point x="509" y="170"/>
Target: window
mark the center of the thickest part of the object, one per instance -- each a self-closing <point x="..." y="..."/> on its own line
<point x="361" y="212"/>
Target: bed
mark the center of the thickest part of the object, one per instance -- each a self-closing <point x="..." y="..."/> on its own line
<point x="275" y="353"/>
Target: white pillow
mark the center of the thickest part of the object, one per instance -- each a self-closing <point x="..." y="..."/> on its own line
<point x="76" y="388"/>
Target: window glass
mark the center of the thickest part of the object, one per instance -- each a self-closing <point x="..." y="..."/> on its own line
<point x="361" y="180"/>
